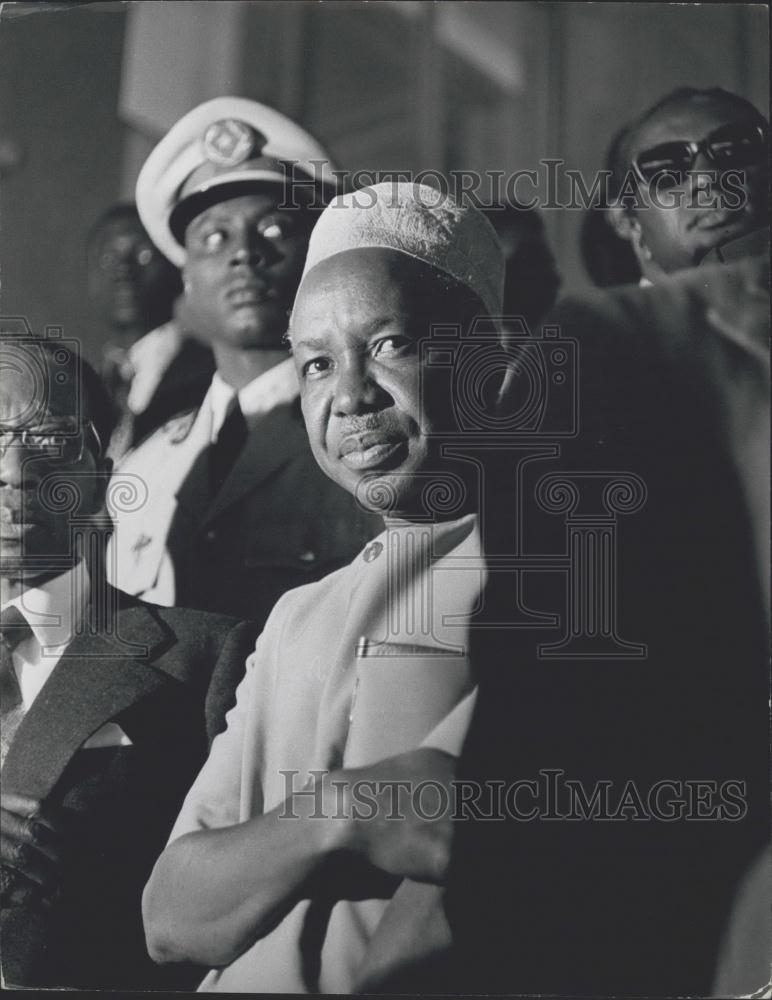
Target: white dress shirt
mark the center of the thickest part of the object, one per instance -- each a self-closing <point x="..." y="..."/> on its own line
<point x="55" y="612"/>
<point x="276" y="386"/>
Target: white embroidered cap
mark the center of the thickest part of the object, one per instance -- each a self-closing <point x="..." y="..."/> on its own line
<point x="423" y="223"/>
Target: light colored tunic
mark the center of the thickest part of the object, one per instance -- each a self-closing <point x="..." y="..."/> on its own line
<point x="413" y="585"/>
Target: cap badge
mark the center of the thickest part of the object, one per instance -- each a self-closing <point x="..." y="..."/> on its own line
<point x="229" y="142"/>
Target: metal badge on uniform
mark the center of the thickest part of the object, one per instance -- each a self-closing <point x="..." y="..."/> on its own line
<point x="141" y="543"/>
<point x="229" y="142"/>
<point x="372" y="551"/>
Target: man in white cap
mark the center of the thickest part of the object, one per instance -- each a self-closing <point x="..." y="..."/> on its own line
<point x="287" y="868"/>
<point x="237" y="510"/>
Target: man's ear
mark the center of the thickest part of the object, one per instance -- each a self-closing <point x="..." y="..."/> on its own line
<point x="624" y="224"/>
<point x="627" y="227"/>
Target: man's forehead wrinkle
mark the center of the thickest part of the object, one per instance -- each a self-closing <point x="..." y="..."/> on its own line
<point x="321" y="337"/>
<point x="350" y="292"/>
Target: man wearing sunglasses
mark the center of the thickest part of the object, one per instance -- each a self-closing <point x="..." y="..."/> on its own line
<point x="673" y="386"/>
<point x="106" y="704"/>
<point x="691" y="176"/>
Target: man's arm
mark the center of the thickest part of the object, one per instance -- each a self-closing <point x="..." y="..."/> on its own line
<point x="214" y="892"/>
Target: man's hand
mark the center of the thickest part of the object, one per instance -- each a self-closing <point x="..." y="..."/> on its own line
<point x="408" y="952"/>
<point x="30" y="847"/>
<point x="398" y="812"/>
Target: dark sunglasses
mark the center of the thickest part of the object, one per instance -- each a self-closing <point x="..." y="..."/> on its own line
<point x="729" y="147"/>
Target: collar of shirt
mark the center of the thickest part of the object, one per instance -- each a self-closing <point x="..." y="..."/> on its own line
<point x="645" y="283"/>
<point x="54" y="610"/>
<point x="276" y="386"/>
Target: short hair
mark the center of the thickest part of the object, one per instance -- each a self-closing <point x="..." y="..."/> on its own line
<point x="101" y="410"/>
<point x="121" y="210"/>
<point x="619" y="156"/>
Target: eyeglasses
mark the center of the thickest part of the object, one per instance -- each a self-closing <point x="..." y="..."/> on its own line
<point x="729" y="147"/>
<point x="66" y="443"/>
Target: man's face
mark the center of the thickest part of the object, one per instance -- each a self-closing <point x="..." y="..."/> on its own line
<point x="678" y="237"/>
<point x="371" y="408"/>
<point x="131" y="282"/>
<point x="38" y="474"/>
<point x="245" y="259"/>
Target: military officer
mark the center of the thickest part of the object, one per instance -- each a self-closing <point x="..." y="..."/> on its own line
<point x="236" y="509"/>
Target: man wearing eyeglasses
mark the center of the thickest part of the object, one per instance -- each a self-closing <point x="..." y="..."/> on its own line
<point x="691" y="173"/>
<point x="107" y="704"/>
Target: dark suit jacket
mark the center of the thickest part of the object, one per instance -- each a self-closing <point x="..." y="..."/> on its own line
<point x="674" y="386"/>
<point x="278" y="522"/>
<point x="166" y="676"/>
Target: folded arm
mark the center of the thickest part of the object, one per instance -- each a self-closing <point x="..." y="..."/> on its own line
<point x="214" y="892"/>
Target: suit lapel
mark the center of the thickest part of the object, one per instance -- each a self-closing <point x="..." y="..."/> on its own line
<point x="193" y="494"/>
<point x="102" y="673"/>
<point x="275" y="439"/>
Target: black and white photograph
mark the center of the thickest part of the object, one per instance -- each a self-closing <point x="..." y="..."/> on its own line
<point x="385" y="498"/>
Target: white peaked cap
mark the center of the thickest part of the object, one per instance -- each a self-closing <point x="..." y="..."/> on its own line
<point x="222" y="143"/>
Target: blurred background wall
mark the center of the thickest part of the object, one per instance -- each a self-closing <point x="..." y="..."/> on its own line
<point x="86" y="89"/>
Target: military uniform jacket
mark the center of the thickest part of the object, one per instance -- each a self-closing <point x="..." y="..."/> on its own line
<point x="277" y="522"/>
<point x="167" y="678"/>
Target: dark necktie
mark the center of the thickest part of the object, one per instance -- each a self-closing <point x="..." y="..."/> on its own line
<point x="13" y="629"/>
<point x="224" y="452"/>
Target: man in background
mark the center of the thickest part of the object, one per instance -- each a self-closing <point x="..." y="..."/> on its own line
<point x="690" y="175"/>
<point x="632" y="895"/>
<point x="107" y="705"/>
<point x="151" y="366"/>
<point x="237" y="510"/>
<point x="531" y="278"/>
